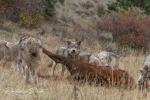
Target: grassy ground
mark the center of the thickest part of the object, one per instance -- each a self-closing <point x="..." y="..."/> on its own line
<point x="13" y="87"/>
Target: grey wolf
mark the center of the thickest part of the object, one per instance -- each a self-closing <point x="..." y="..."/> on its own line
<point x="29" y="57"/>
<point x="8" y="52"/>
<point x="103" y="58"/>
<point x="144" y="74"/>
<point x="71" y="51"/>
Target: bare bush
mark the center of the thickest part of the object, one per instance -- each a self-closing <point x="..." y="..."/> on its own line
<point x="128" y="28"/>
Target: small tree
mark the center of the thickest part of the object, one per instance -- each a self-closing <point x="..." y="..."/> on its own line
<point x="8" y="2"/>
<point x="50" y="7"/>
<point x="125" y="4"/>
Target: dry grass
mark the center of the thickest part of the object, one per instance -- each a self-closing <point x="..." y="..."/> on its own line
<point x="13" y="87"/>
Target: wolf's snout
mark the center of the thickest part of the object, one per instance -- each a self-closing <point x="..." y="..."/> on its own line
<point x="34" y="54"/>
<point x="73" y="51"/>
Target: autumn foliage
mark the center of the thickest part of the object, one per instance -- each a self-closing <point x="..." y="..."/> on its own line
<point x="128" y="28"/>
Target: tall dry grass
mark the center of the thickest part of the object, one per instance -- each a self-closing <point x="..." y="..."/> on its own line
<point x="13" y="87"/>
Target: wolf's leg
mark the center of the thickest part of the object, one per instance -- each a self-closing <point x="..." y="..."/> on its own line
<point x="53" y="67"/>
<point x="34" y="75"/>
<point x="36" y="78"/>
<point x="27" y="74"/>
<point x="63" y="70"/>
<point x="21" y="67"/>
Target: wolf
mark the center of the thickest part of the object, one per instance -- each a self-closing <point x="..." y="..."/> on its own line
<point x="104" y="58"/>
<point x="3" y="49"/>
<point x="71" y="51"/>
<point x="8" y="52"/>
<point x="85" y="72"/>
<point x="29" y="57"/>
<point x="144" y="73"/>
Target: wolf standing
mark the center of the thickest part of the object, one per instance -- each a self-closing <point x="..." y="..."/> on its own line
<point x="70" y="51"/>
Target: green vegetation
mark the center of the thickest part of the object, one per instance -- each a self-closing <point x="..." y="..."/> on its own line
<point x="125" y="4"/>
<point x="29" y="13"/>
<point x="30" y="21"/>
<point x="50" y="7"/>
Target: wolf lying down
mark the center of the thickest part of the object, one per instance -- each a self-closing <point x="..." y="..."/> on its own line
<point x="86" y="72"/>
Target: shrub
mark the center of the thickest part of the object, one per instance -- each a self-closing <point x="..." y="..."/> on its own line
<point x="8" y="2"/>
<point x="37" y="19"/>
<point x="128" y="28"/>
<point x="125" y="4"/>
<point x="7" y="9"/>
<point x="50" y="7"/>
<point x="28" y="13"/>
<point x="30" y="21"/>
<point x="100" y="10"/>
<point x="62" y="1"/>
<point x="25" y="19"/>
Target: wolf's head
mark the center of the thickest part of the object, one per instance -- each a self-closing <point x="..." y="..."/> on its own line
<point x="73" y="48"/>
<point x="31" y="50"/>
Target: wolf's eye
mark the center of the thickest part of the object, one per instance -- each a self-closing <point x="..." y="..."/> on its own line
<point x="40" y="46"/>
<point x="34" y="54"/>
<point x="29" y="42"/>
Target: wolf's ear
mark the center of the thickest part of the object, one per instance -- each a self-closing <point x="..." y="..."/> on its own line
<point x="79" y="42"/>
<point x="68" y="42"/>
<point x="141" y="71"/>
<point x="21" y="46"/>
<point x="146" y="67"/>
<point x="6" y="45"/>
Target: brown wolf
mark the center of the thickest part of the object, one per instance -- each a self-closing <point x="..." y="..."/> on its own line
<point x="87" y="72"/>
